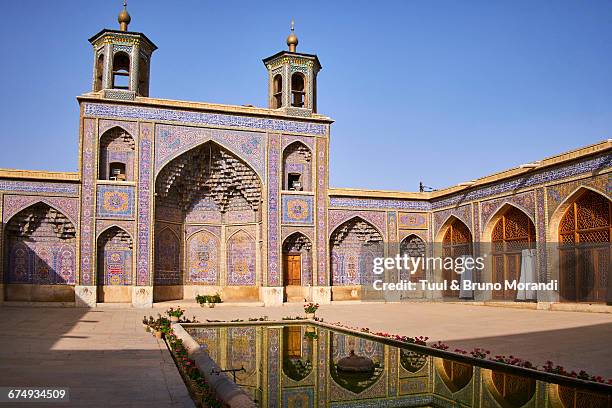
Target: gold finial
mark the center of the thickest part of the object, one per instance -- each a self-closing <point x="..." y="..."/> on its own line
<point x="124" y="17"/>
<point x="292" y="40"/>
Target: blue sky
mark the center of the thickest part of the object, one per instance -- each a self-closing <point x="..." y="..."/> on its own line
<point x="438" y="91"/>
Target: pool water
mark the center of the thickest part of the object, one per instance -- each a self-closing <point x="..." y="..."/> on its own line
<point x="297" y="365"/>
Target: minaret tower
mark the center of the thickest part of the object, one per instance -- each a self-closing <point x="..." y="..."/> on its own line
<point x="122" y="61"/>
<point x="292" y="79"/>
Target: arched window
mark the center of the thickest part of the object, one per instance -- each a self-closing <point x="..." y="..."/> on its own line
<point x="99" y="72"/>
<point x="116" y="155"/>
<point x="413" y="247"/>
<point x="584" y="252"/>
<point x="297" y="167"/>
<point x="277" y="91"/>
<point x="121" y="71"/>
<point x="513" y="233"/>
<point x="457" y="242"/>
<point x="298" y="94"/>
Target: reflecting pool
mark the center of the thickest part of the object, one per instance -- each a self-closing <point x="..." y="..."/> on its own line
<point x="309" y="366"/>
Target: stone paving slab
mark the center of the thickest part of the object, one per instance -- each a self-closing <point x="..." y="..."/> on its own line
<point x="104" y="357"/>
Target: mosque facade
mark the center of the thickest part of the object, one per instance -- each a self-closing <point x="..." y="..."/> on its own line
<point x="174" y="199"/>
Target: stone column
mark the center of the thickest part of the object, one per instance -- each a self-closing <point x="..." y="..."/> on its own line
<point x="108" y="66"/>
<point x="134" y="67"/>
<point x="142" y="291"/>
<point x="223" y="260"/>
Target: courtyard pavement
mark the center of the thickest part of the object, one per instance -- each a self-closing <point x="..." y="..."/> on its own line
<point x="108" y="360"/>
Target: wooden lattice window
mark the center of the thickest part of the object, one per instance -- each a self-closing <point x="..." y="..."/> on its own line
<point x="584" y="251"/>
<point x="457" y="242"/>
<point x="512" y="233"/>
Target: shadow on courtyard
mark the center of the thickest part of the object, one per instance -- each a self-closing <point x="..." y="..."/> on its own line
<point x="103" y="355"/>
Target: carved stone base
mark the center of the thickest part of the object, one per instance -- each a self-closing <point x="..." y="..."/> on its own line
<point x="272" y="296"/>
<point x="142" y="296"/>
<point x="85" y="296"/>
<point x="321" y="295"/>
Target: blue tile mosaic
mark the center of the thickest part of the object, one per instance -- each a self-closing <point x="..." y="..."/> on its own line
<point x="217" y="119"/>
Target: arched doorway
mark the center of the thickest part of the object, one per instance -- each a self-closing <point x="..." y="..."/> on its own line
<point x="513" y="233"/>
<point x="40" y="247"/>
<point x="297" y="266"/>
<point x="584" y="248"/>
<point x="115" y="266"/>
<point x="353" y="247"/>
<point x="457" y="242"/>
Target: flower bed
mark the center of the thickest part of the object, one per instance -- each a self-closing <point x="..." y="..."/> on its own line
<point x="482" y="354"/>
<point x="199" y="390"/>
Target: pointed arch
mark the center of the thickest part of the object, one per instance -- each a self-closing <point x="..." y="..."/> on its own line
<point x="297" y="353"/>
<point x="255" y="163"/>
<point x="582" y="226"/>
<point x="40" y="248"/>
<point x="495" y="215"/>
<point x="511" y="232"/>
<point x="55" y="203"/>
<point x="456" y="241"/>
<point x="208" y="172"/>
<point x="354" y="384"/>
<point x="115" y="254"/>
<point x="241" y="259"/>
<point x="413" y="246"/>
<point x="113" y="225"/>
<point x="297" y="260"/>
<point x="203" y="257"/>
<point x="451" y="219"/>
<point x="167" y="257"/>
<point x="297" y="167"/>
<point x="354" y="245"/>
<point x="117" y="155"/>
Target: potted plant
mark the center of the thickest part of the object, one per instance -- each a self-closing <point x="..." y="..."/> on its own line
<point x="175" y="314"/>
<point x="311" y="309"/>
<point x="208" y="300"/>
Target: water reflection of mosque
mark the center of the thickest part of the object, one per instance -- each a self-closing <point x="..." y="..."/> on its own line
<point x="295" y="366"/>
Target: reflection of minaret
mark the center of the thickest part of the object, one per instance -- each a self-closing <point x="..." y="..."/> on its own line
<point x="292" y="79"/>
<point x="122" y="60"/>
